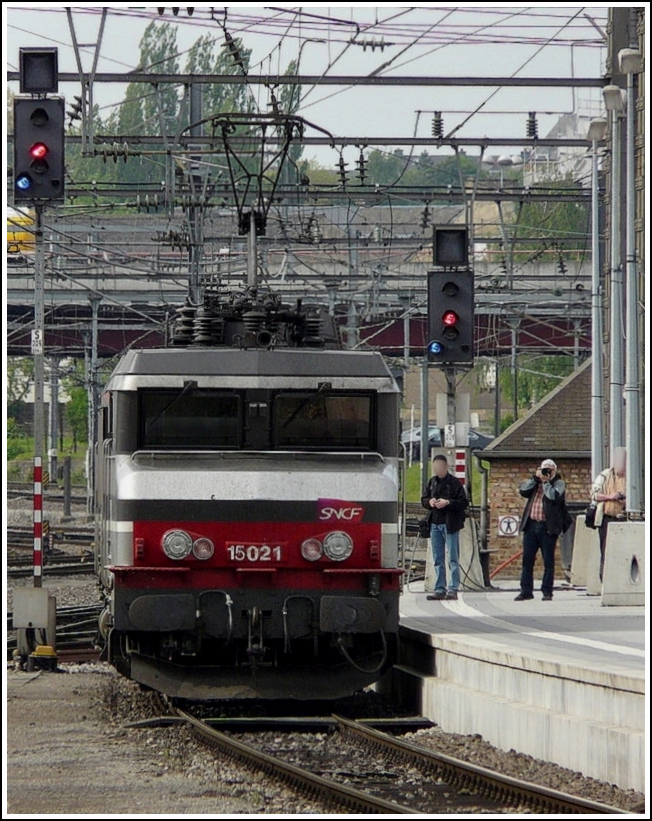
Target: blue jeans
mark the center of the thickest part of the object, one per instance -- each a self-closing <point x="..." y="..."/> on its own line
<point x="444" y="542"/>
<point x="536" y="537"/>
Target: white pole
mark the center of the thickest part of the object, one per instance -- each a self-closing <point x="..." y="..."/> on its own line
<point x="411" y="429"/>
<point x="616" y="330"/>
<point x="632" y="418"/>
<point x="597" y="390"/>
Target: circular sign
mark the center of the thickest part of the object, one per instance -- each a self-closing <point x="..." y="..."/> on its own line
<point x="508" y="526"/>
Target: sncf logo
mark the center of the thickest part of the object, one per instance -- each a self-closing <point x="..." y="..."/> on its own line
<point x="332" y="510"/>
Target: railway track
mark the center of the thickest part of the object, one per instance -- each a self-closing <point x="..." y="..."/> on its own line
<point x="54" y="566"/>
<point x="20" y="535"/>
<point x="448" y="784"/>
<point x="479" y="780"/>
<point x="330" y="792"/>
<point x="76" y="630"/>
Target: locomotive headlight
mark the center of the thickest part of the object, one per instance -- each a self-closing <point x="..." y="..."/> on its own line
<point x="338" y="546"/>
<point x="177" y="544"/>
<point x="311" y="550"/>
<point x="203" y="548"/>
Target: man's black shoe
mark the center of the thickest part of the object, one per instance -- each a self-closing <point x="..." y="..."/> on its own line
<point x="436" y="597"/>
<point x="547" y="598"/>
<point x="523" y="597"/>
<point x="452" y="595"/>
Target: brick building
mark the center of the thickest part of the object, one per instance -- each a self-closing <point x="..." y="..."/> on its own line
<point x="558" y="427"/>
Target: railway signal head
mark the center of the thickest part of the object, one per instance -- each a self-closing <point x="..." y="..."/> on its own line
<point x="38" y="149"/>
<point x="450" y="317"/>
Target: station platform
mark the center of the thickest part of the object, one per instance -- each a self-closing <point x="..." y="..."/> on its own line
<point x="562" y="681"/>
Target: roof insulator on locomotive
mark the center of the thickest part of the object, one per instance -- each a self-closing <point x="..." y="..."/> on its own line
<point x="204" y="327"/>
<point x="532" y="126"/>
<point x="438" y="126"/>
<point x="184" y="326"/>
<point x="312" y="330"/>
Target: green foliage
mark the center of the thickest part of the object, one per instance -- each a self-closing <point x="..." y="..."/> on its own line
<point x="206" y="57"/>
<point x="15" y="439"/>
<point x="561" y="225"/>
<point x="318" y="174"/>
<point x="536" y="376"/>
<point x="20" y="374"/>
<point x="426" y="170"/>
<point x="506" y="421"/>
<point x="77" y="414"/>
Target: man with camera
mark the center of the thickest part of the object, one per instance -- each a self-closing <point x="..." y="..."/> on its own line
<point x="544" y="518"/>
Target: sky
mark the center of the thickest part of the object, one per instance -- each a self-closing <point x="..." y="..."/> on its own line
<point x="480" y="40"/>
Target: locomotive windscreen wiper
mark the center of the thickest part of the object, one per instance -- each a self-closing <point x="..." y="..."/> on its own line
<point x="186" y="387"/>
<point x="323" y="388"/>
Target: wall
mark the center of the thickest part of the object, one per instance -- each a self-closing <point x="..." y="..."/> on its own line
<point x="504" y="499"/>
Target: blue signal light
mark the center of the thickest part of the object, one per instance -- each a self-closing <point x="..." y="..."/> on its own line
<point x="435" y="347"/>
<point x="23" y="182"/>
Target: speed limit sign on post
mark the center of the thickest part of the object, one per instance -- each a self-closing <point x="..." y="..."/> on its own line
<point x="37" y="342"/>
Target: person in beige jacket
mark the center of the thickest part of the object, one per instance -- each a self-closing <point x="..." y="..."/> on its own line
<point x="608" y="493"/>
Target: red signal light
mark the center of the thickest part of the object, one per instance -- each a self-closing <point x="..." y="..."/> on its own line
<point x="39" y="151"/>
<point x="450" y="318"/>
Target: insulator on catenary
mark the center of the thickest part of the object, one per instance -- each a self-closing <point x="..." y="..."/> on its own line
<point x="341" y="167"/>
<point x="361" y="163"/>
<point x="532" y="126"/>
<point x="438" y="126"/>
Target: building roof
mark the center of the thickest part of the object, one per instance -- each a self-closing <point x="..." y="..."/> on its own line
<point x="560" y="424"/>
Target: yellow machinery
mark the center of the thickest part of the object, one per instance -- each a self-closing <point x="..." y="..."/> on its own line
<point x="20" y="235"/>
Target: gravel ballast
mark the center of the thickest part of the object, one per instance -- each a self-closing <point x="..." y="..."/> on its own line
<point x="474" y="749"/>
<point x="68" y="752"/>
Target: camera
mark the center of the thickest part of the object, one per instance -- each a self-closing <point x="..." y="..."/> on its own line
<point x="546" y="471"/>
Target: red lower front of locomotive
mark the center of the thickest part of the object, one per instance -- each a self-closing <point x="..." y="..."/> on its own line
<point x="273" y="609"/>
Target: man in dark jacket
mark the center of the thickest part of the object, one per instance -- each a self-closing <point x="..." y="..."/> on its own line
<point x="544" y="518"/>
<point x="445" y="498"/>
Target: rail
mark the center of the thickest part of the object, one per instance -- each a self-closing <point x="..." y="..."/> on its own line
<point x="484" y="782"/>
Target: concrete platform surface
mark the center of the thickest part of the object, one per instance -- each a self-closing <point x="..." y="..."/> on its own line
<point x="562" y="681"/>
<point x="573" y="628"/>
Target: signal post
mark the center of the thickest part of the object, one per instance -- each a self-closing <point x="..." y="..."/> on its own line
<point x="451" y="308"/>
<point x="38" y="179"/>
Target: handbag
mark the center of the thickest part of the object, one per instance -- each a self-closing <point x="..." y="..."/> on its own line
<point x="589" y="516"/>
<point x="424" y="528"/>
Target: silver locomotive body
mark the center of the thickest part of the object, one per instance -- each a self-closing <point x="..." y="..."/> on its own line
<point x="246" y="518"/>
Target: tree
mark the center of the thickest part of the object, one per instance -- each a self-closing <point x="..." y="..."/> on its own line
<point x="427" y="170"/>
<point x="553" y="225"/>
<point x="216" y="98"/>
<point x="77" y="415"/>
<point x="536" y="376"/>
<point x="20" y="375"/>
<point x="159" y="54"/>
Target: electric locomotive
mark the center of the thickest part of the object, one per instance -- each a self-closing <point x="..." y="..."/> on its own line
<point x="246" y="499"/>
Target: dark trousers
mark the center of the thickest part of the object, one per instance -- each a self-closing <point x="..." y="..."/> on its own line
<point x="536" y="537"/>
<point x="602" y="530"/>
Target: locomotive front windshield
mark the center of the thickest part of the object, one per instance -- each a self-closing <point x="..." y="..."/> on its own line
<point x="189" y="419"/>
<point x="206" y="419"/>
<point x="315" y="420"/>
